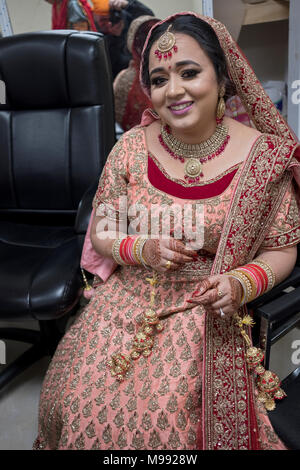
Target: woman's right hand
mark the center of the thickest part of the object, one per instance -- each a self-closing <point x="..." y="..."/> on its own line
<point x="166" y="254"/>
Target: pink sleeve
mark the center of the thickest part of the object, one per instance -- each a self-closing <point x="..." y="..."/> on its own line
<point x="91" y="261"/>
<point x="285" y="230"/>
<point x="112" y="185"/>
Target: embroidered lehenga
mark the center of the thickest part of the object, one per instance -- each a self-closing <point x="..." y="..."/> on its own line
<point x="194" y="391"/>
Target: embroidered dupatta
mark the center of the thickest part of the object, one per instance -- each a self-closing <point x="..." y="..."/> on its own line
<point x="254" y="204"/>
<point x="229" y="415"/>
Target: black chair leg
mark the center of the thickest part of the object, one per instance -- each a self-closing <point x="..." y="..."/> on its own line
<point x="28" y="358"/>
<point x="44" y="343"/>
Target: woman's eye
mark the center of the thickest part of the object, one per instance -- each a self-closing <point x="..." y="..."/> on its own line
<point x="191" y="73"/>
<point x="157" y="81"/>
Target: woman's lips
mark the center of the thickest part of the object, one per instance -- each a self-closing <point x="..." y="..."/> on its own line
<point x="181" y="108"/>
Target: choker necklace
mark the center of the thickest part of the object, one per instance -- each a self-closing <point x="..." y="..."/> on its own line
<point x="195" y="154"/>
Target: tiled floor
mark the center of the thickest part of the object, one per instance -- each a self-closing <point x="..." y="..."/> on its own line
<point x="19" y="401"/>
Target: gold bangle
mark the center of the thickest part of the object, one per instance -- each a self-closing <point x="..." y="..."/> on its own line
<point x="136" y="250"/>
<point x="252" y="282"/>
<point x="116" y="251"/>
<point x="141" y="247"/>
<point x="250" y="286"/>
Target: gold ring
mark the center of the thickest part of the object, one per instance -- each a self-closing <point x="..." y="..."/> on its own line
<point x="168" y="264"/>
<point x="220" y="293"/>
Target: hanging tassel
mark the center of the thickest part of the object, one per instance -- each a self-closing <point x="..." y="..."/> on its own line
<point x="88" y="290"/>
<point x="267" y="382"/>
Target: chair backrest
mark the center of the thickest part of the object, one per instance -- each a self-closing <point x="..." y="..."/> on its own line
<point x="57" y="125"/>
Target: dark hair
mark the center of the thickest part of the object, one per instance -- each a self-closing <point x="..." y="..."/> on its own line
<point x="141" y="34"/>
<point x="204" y="34"/>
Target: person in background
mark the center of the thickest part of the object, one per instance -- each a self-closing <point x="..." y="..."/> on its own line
<point x="72" y="14"/>
<point x="110" y="17"/>
<point x="130" y="99"/>
<point x="114" y="22"/>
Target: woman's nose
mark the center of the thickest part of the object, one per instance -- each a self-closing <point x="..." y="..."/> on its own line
<point x="174" y="88"/>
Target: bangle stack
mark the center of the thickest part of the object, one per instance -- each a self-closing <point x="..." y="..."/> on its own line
<point x="129" y="250"/>
<point x="256" y="278"/>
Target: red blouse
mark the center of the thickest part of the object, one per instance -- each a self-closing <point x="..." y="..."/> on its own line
<point x="160" y="181"/>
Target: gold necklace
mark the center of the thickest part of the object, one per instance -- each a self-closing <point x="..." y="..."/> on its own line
<point x="196" y="154"/>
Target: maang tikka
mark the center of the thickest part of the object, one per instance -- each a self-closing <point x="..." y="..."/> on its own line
<point x="165" y="45"/>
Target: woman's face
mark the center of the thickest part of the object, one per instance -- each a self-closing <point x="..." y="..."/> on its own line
<point x="184" y="88"/>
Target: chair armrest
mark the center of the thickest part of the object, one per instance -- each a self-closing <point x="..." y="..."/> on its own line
<point x="292" y="281"/>
<point x="84" y="212"/>
<point x="282" y="308"/>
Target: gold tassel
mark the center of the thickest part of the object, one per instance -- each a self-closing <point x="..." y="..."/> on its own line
<point x="143" y="341"/>
<point x="268" y="383"/>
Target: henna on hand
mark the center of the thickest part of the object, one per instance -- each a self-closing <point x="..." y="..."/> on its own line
<point x="178" y="246"/>
<point x="204" y="286"/>
<point x="152" y="253"/>
<point x="209" y="297"/>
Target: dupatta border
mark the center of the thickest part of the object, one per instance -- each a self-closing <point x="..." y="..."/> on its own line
<point x="229" y="416"/>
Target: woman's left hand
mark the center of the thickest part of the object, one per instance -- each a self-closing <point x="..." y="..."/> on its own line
<point x="220" y="295"/>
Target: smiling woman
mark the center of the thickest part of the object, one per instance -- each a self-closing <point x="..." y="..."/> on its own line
<point x="185" y="92"/>
<point x="157" y="360"/>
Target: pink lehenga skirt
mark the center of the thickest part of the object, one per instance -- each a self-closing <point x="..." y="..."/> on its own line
<point x="158" y="405"/>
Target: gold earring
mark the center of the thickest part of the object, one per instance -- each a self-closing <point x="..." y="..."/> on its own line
<point x="221" y="104"/>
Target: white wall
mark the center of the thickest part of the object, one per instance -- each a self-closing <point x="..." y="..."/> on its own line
<point x="163" y="8"/>
<point x="35" y="15"/>
<point x="266" y="47"/>
<point x="29" y="15"/>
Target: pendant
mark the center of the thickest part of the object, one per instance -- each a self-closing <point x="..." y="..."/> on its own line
<point x="192" y="168"/>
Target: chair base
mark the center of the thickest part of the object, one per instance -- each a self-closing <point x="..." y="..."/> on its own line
<point x="44" y="343"/>
<point x="23" y="362"/>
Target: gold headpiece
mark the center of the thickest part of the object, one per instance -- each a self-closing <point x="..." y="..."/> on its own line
<point x="165" y="44"/>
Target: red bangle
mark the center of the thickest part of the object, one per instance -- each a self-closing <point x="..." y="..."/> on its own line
<point x="263" y="273"/>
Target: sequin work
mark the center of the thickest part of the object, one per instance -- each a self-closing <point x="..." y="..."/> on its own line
<point x="159" y="404"/>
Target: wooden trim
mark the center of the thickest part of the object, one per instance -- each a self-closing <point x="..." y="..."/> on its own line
<point x="271" y="10"/>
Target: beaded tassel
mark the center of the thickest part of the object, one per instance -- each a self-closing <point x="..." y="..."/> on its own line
<point x="143" y="341"/>
<point x="268" y="383"/>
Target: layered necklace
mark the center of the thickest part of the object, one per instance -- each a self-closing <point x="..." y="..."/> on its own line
<point x="194" y="155"/>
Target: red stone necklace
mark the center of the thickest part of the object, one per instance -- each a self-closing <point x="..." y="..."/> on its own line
<point x="194" y="155"/>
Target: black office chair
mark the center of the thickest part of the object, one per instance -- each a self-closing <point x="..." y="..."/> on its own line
<point x="56" y="130"/>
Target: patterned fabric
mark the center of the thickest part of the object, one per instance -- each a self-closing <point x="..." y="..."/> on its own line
<point x="253" y="207"/>
<point x="159" y="405"/>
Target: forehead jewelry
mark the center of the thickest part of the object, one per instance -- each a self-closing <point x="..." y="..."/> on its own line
<point x="165" y="45"/>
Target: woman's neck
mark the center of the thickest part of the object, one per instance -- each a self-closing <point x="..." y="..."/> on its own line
<point x="194" y="135"/>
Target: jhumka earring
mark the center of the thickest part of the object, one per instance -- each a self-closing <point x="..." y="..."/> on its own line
<point x="221" y="105"/>
<point x="165" y="45"/>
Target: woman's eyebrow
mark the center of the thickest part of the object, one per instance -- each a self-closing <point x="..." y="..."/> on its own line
<point x="178" y="64"/>
<point x="157" y="69"/>
<point x="187" y="62"/>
